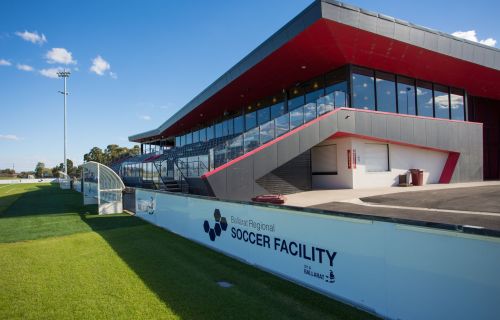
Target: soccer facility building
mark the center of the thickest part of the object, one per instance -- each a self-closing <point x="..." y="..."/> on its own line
<point x="340" y="97"/>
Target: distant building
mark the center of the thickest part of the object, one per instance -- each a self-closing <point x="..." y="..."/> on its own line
<point x="340" y="97"/>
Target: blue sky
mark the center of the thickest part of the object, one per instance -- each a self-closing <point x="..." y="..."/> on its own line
<point x="135" y="63"/>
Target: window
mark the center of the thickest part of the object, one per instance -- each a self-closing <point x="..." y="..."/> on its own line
<point x="363" y="88"/>
<point x="424" y="99"/>
<point x="239" y="125"/>
<point x="314" y="89"/>
<point x="196" y="136"/>
<point x="218" y="130"/>
<point x="295" y="98"/>
<point x="250" y="120"/>
<point x="210" y="133"/>
<point x="441" y="102"/>
<point x="457" y="104"/>
<point x="376" y="157"/>
<point x="263" y="115"/>
<point x="203" y="134"/>
<point x="177" y="141"/>
<point x="386" y="92"/>
<point x="406" y="96"/>
<point x="230" y="126"/>
<point x="189" y="138"/>
<point x="277" y="110"/>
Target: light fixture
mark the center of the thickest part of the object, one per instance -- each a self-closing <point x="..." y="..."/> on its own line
<point x="303" y="67"/>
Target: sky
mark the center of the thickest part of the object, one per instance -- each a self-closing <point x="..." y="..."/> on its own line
<point x="134" y="63"/>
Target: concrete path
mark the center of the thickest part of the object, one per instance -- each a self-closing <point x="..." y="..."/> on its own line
<point x="316" y="197"/>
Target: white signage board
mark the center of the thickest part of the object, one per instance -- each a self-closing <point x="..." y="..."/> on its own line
<point x="397" y="271"/>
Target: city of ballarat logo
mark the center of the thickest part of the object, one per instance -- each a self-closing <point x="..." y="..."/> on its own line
<point x="220" y="225"/>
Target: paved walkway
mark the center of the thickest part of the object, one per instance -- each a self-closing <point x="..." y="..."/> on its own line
<point x="316" y="197"/>
<point x="466" y="204"/>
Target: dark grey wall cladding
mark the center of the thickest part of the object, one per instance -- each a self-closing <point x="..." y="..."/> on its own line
<point x="292" y="177"/>
<point x="271" y="169"/>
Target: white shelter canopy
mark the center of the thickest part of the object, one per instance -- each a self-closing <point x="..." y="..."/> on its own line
<point x="102" y="186"/>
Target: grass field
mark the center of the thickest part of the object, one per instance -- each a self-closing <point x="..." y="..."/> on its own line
<point x="59" y="261"/>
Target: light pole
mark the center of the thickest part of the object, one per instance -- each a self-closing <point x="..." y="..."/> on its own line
<point x="64" y="74"/>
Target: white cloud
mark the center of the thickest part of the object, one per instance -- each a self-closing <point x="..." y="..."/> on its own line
<point x="4" y="62"/>
<point x="10" y="137"/>
<point x="99" y="66"/>
<point x="145" y="117"/>
<point x="60" y="55"/>
<point x="113" y="75"/>
<point x="51" y="72"/>
<point x="24" y="67"/>
<point x="489" y="42"/>
<point x="471" y="36"/>
<point x="33" y="37"/>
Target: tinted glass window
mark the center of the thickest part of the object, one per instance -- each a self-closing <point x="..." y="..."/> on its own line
<point x="406" y="96"/>
<point x="196" y="136"/>
<point x="363" y="96"/>
<point x="277" y="110"/>
<point x="457" y="105"/>
<point x="177" y="141"/>
<point x="263" y="115"/>
<point x="424" y="99"/>
<point x="295" y="98"/>
<point x="218" y="130"/>
<point x="225" y="129"/>
<point x="441" y="102"/>
<point x="230" y="126"/>
<point x="238" y="124"/>
<point x="210" y="133"/>
<point x="250" y="120"/>
<point x="189" y="138"/>
<point x="203" y="134"/>
<point x="386" y="92"/>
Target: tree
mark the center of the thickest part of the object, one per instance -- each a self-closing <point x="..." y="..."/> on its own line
<point x="112" y="153"/>
<point x="39" y="169"/>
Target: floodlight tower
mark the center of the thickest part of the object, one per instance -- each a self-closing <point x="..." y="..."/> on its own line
<point x="64" y="74"/>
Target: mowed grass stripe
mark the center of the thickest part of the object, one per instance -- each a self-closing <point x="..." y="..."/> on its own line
<point x="120" y="267"/>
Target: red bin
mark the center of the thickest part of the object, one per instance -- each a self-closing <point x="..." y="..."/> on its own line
<point x="417" y="177"/>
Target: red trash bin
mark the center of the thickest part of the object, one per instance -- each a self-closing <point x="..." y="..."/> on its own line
<point x="417" y="177"/>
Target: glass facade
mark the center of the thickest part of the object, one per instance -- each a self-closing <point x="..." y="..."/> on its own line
<point x="386" y="92"/>
<point x="371" y="90"/>
<point x="457" y="104"/>
<point x="406" y="96"/>
<point x="363" y="89"/>
<point x="441" y="102"/>
<point x="424" y="99"/>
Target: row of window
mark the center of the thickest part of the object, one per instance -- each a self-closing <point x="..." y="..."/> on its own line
<point x="273" y="107"/>
<point x="374" y="90"/>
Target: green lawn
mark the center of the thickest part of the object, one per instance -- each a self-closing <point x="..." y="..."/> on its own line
<point x="59" y="261"/>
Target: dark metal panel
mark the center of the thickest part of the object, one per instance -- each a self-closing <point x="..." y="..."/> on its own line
<point x="309" y="137"/>
<point x="431" y="133"/>
<point x="288" y="148"/>
<point x="364" y="123"/>
<point x="419" y="136"/>
<point x="240" y="179"/>
<point x="265" y="161"/>
<point x="407" y="130"/>
<point x="218" y="184"/>
<point x="328" y="126"/>
<point x="379" y="126"/>
<point x="394" y="128"/>
<point x="346" y="121"/>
